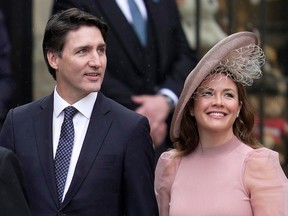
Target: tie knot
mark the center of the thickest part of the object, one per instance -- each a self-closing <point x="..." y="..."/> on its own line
<point x="70" y="111"/>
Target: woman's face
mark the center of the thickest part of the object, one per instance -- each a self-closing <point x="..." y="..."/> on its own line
<point x="216" y="105"/>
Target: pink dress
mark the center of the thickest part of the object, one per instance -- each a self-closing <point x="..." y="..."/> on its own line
<point x="228" y="180"/>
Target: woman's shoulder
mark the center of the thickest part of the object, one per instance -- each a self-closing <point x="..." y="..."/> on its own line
<point x="264" y="163"/>
<point x="166" y="170"/>
<point x="167" y="164"/>
<point x="168" y="160"/>
<point x="171" y="154"/>
<point x="262" y="154"/>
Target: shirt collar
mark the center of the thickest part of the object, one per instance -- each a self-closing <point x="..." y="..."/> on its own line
<point x="84" y="106"/>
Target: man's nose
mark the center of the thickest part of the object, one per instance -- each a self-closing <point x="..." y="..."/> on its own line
<point x="94" y="59"/>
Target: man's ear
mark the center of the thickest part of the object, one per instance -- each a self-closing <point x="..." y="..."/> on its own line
<point x="53" y="59"/>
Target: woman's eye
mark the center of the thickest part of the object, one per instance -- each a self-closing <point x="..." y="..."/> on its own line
<point x="208" y="93"/>
<point x="230" y="95"/>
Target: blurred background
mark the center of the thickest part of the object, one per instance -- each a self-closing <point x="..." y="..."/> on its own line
<point x="204" y="22"/>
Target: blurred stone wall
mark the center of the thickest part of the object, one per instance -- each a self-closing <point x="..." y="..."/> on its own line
<point x="43" y="82"/>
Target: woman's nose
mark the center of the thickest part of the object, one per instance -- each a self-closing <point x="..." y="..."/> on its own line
<point x="218" y="100"/>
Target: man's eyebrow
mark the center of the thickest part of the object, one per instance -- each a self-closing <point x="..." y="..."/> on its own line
<point x="89" y="46"/>
<point x="102" y="45"/>
<point x="81" y="47"/>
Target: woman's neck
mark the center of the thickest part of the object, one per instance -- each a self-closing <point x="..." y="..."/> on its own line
<point x="209" y="140"/>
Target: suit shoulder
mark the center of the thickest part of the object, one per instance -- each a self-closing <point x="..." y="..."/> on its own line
<point x="33" y="105"/>
<point x="119" y="109"/>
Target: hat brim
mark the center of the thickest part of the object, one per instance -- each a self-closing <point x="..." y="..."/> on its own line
<point x="208" y="62"/>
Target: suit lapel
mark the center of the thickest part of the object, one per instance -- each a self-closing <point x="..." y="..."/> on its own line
<point x="43" y="134"/>
<point x="155" y="11"/>
<point x="98" y="128"/>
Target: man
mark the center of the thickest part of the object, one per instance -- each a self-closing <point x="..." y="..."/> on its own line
<point x="149" y="77"/>
<point x="13" y="200"/>
<point x="111" y="167"/>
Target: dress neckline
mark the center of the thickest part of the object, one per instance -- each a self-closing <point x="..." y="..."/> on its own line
<point x="227" y="147"/>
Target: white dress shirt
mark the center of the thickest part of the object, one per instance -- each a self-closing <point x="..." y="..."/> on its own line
<point x="80" y="121"/>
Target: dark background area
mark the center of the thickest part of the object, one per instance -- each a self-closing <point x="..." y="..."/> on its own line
<point x="18" y="15"/>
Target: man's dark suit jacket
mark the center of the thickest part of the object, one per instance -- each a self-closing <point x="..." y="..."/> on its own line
<point x="132" y="69"/>
<point x="114" y="174"/>
<point x="12" y="198"/>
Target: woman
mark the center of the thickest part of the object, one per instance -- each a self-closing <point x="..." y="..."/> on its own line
<point x="217" y="166"/>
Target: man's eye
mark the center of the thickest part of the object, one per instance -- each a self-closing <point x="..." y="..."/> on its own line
<point x="82" y="51"/>
<point x="101" y="51"/>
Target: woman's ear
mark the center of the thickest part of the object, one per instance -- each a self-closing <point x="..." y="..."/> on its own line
<point x="191" y="111"/>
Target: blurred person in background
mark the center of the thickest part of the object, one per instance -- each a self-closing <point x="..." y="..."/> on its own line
<point x="145" y="73"/>
<point x="6" y="84"/>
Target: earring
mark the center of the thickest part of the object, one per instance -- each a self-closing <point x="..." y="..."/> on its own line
<point x="192" y="114"/>
<point x="237" y="115"/>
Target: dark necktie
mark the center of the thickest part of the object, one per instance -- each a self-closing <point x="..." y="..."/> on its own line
<point x="139" y="23"/>
<point x="64" y="150"/>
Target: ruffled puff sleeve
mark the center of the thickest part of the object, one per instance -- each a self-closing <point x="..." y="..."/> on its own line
<point x="266" y="183"/>
<point x="164" y="176"/>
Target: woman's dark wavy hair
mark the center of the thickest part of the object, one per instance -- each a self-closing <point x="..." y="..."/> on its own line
<point x="188" y="139"/>
<point x="63" y="22"/>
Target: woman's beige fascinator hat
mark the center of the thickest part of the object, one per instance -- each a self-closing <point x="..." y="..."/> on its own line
<point x="239" y="54"/>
